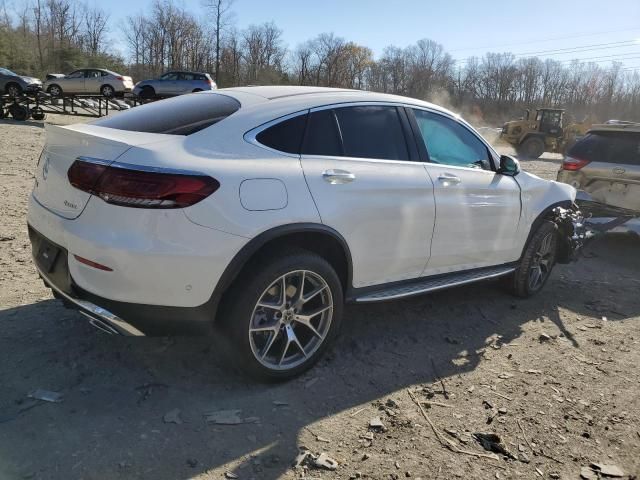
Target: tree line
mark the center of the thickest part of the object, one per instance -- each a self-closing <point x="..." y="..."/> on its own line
<point x="46" y="36"/>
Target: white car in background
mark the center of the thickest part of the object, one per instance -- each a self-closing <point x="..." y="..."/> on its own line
<point x="88" y="81"/>
<point x="264" y="209"/>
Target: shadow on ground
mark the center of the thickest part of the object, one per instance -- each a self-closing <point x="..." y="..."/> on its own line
<point x="116" y="390"/>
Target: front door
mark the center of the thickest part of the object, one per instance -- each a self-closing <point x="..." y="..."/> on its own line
<point x="369" y="187"/>
<point x="477" y="209"/>
<point x="74" y="82"/>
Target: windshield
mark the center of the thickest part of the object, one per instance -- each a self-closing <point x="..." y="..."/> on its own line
<point x="4" y="71"/>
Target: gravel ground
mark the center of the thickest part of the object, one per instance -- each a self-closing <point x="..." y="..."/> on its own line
<point x="555" y="377"/>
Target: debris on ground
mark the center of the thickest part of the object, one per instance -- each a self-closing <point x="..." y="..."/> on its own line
<point x="172" y="416"/>
<point x="46" y="396"/>
<point x="228" y="417"/>
<point x="605" y="470"/>
<point x="230" y="475"/>
<point x="322" y="461"/>
<point x="493" y="443"/>
<point x="377" y="425"/>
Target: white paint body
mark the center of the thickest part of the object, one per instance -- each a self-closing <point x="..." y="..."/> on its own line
<point x="399" y="218"/>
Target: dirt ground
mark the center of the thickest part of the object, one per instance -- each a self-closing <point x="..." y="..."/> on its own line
<point x="556" y="377"/>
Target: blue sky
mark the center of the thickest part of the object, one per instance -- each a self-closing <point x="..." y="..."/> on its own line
<point x="464" y="27"/>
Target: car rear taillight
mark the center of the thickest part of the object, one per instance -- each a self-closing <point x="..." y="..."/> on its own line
<point x="130" y="186"/>
<point x="573" y="164"/>
<point x="119" y="78"/>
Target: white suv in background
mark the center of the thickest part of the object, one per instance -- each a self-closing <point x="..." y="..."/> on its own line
<point x="264" y="209"/>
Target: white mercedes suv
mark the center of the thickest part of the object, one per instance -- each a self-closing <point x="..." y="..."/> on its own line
<point x="259" y="211"/>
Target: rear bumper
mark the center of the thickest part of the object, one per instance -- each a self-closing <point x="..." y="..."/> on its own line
<point x="119" y="318"/>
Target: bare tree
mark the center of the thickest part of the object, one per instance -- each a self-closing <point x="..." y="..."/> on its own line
<point x="220" y="9"/>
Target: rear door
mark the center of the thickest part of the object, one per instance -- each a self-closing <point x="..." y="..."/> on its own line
<point x="612" y="175"/>
<point x="368" y="184"/>
<point x="93" y="81"/>
<point x="477" y="209"/>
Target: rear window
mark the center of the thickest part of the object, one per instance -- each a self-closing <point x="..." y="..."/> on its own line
<point x="181" y="115"/>
<point x="608" y="147"/>
<point x="285" y="136"/>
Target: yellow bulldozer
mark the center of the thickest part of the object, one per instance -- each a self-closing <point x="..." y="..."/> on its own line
<point x="546" y="132"/>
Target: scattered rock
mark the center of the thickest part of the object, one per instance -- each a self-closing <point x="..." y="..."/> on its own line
<point x="544" y="338"/>
<point x="230" y="475"/>
<point x="172" y="416"/>
<point x="587" y="474"/>
<point x="326" y="462"/>
<point x="279" y="403"/>
<point x="502" y="411"/>
<point x="607" y="470"/>
<point x="522" y="457"/>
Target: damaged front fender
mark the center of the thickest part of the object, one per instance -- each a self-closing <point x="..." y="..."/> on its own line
<point x="575" y="229"/>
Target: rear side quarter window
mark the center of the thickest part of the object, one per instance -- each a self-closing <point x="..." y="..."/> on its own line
<point x="285" y="136"/>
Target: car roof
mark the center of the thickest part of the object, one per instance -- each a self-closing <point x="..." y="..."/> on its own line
<point x="618" y="126"/>
<point x="303" y="97"/>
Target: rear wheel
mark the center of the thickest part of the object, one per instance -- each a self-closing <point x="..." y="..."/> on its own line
<point x="282" y="315"/>
<point x="537" y="262"/>
<point x="532" y="147"/>
<point x="107" y="91"/>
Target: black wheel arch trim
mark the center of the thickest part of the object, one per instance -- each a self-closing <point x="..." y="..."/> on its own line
<point x="544" y="215"/>
<point x="256" y="243"/>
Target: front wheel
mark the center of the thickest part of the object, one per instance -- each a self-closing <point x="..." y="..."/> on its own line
<point x="283" y="314"/>
<point x="536" y="263"/>
<point x="532" y="147"/>
<point x="14" y="90"/>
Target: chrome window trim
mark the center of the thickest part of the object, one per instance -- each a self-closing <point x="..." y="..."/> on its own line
<point x="251" y="135"/>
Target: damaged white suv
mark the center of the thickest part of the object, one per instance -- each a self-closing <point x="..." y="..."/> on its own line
<point x="264" y="209"/>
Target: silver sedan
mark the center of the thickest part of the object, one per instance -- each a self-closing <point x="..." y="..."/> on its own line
<point x="89" y="81"/>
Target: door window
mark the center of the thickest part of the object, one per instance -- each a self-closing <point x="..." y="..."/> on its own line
<point x="76" y="74"/>
<point x="322" y="136"/>
<point x="450" y="143"/>
<point x="93" y="73"/>
<point x="372" y="132"/>
<point x="170" y="76"/>
<point x="186" y="76"/>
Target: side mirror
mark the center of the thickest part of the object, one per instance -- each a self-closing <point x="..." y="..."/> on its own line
<point x="509" y="166"/>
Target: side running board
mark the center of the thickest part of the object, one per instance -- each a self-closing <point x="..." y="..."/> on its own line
<point x="432" y="284"/>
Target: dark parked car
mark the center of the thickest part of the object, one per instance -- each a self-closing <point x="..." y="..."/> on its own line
<point x="174" y="83"/>
<point x="14" y="84"/>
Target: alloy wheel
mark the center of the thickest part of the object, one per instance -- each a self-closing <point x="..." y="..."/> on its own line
<point x="541" y="263"/>
<point x="291" y="320"/>
<point x="13" y="90"/>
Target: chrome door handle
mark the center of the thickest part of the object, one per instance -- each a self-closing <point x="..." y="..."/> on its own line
<point x="337" y="176"/>
<point x="449" y="179"/>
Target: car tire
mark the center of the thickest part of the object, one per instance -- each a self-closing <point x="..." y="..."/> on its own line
<point x="107" y="91"/>
<point x="13" y="90"/>
<point x="55" y="90"/>
<point x="38" y="114"/>
<point x="276" y="338"/>
<point x="537" y="262"/>
<point x="148" y="93"/>
<point x="532" y="147"/>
